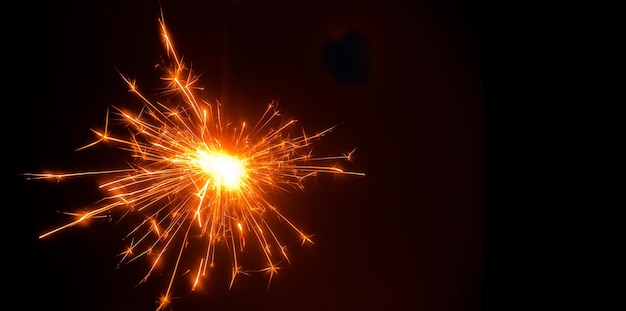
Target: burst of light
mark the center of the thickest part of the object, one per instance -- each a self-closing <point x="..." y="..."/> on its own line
<point x="199" y="181"/>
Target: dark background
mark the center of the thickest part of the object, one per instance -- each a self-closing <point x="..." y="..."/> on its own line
<point x="402" y="79"/>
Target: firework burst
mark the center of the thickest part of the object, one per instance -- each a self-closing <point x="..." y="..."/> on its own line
<point x="198" y="181"/>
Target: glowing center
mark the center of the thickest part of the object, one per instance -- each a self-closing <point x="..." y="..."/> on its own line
<point x="225" y="170"/>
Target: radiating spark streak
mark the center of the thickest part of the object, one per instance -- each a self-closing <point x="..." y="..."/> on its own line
<point x="195" y="282"/>
<point x="65" y="175"/>
<point x="194" y="177"/>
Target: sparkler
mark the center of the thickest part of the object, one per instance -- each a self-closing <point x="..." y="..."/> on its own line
<point x="199" y="180"/>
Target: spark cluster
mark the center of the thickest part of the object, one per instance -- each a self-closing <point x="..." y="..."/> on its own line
<point x="198" y="180"/>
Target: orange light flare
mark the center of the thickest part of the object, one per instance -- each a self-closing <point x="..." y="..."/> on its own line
<point x="198" y="181"/>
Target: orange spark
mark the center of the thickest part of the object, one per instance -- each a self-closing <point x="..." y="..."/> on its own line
<point x="198" y="182"/>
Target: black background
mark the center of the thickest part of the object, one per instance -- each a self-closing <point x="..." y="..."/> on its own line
<point x="407" y="236"/>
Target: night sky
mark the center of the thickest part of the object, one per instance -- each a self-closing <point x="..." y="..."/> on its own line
<point x="401" y="79"/>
